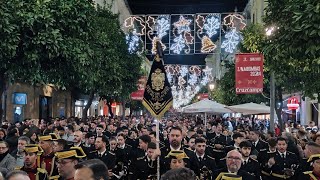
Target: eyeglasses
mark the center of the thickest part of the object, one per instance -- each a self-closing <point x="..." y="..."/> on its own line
<point x="234" y="158"/>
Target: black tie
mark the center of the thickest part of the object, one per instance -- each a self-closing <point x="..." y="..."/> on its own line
<point x="200" y="159"/>
<point x="282" y="155"/>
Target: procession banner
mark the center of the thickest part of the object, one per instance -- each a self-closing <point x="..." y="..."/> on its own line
<point x="157" y="95"/>
<point x="249" y="73"/>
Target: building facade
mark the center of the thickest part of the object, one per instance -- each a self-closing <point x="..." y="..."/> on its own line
<point x="22" y="101"/>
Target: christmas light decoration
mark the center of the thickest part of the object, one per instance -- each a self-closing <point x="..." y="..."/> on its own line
<point x="154" y="42"/>
<point x="232" y="40"/>
<point x="207" y="45"/>
<point x="212" y="25"/>
<point x="179" y="44"/>
<point x="182" y="36"/>
<point x="187" y="81"/>
<point x="183" y="25"/>
<point x="136" y="22"/>
<point x="163" y="25"/>
<point x="132" y="40"/>
<point x="234" y="21"/>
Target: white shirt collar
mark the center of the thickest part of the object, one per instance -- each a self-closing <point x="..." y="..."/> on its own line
<point x="102" y="153"/>
<point x="199" y="156"/>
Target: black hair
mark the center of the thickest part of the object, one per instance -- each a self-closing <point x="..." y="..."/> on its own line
<point x="176" y="128"/>
<point x="179" y="174"/>
<point x="236" y="135"/>
<point x="103" y="138"/>
<point x="282" y="139"/>
<point x="200" y="140"/>
<point x="145" y="138"/>
<point x="152" y="145"/>
<point x="98" y="168"/>
<point x="245" y="144"/>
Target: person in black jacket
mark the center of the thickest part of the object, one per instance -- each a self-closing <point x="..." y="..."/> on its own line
<point x="233" y="161"/>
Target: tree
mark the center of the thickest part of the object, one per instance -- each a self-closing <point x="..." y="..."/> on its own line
<point x="40" y="40"/>
<point x="110" y="71"/>
<point x="293" y="50"/>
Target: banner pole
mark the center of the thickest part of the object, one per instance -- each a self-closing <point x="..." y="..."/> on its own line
<point x="158" y="147"/>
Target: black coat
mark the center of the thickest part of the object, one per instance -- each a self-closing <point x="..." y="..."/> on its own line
<point x="206" y="166"/>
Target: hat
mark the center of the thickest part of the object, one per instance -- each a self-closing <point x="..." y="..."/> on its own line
<point x="50" y="137"/>
<point x="33" y="148"/>
<point x="177" y="155"/>
<point x="72" y="153"/>
<point x="314" y="157"/>
<point x="228" y="176"/>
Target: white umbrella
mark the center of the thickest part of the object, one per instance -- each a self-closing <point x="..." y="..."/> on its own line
<point x="206" y="106"/>
<point x="250" y="108"/>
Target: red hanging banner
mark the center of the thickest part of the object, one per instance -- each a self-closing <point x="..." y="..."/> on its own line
<point x="249" y="73"/>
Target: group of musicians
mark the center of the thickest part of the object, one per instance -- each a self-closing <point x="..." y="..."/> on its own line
<point x="211" y="154"/>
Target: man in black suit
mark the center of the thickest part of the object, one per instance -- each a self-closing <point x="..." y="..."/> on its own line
<point x="201" y="163"/>
<point x="233" y="161"/>
<point x="249" y="164"/>
<point x="314" y="173"/>
<point x="258" y="144"/>
<point x="103" y="154"/>
<point x="284" y="163"/>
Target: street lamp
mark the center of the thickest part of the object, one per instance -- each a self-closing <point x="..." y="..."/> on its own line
<point x="211" y="86"/>
<point x="269" y="32"/>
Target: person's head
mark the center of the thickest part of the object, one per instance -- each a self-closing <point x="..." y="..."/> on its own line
<point x="175" y="137"/>
<point x="200" y="146"/>
<point x="99" y="129"/>
<point x="282" y="144"/>
<point x="245" y="148"/>
<point x="238" y="138"/>
<point x="219" y="129"/>
<point x="93" y="169"/>
<point x="177" y="159"/>
<point x="4" y="147"/>
<point x="272" y="143"/>
<point x="46" y="143"/>
<point x="113" y="143"/>
<point x="179" y="174"/>
<point x="22" y="142"/>
<point x="78" y="135"/>
<point x="143" y="141"/>
<point x="69" y="129"/>
<point x="59" y="145"/>
<point x="153" y="136"/>
<point x="311" y="149"/>
<point x="191" y="143"/>
<point x="234" y="160"/>
<point x="31" y="154"/>
<point x="2" y="133"/>
<point x="66" y="161"/>
<point x="151" y="149"/>
<point x="121" y="139"/>
<point x="101" y="143"/>
<point x="144" y="131"/>
<point x="90" y="138"/>
<point x="254" y="136"/>
<point x="17" y="175"/>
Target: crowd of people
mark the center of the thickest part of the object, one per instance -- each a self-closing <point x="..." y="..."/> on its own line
<point x="103" y="148"/>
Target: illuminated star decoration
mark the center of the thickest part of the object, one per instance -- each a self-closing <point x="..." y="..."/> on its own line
<point x="182" y="35"/>
<point x="183" y="25"/>
<point x="232" y="40"/>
